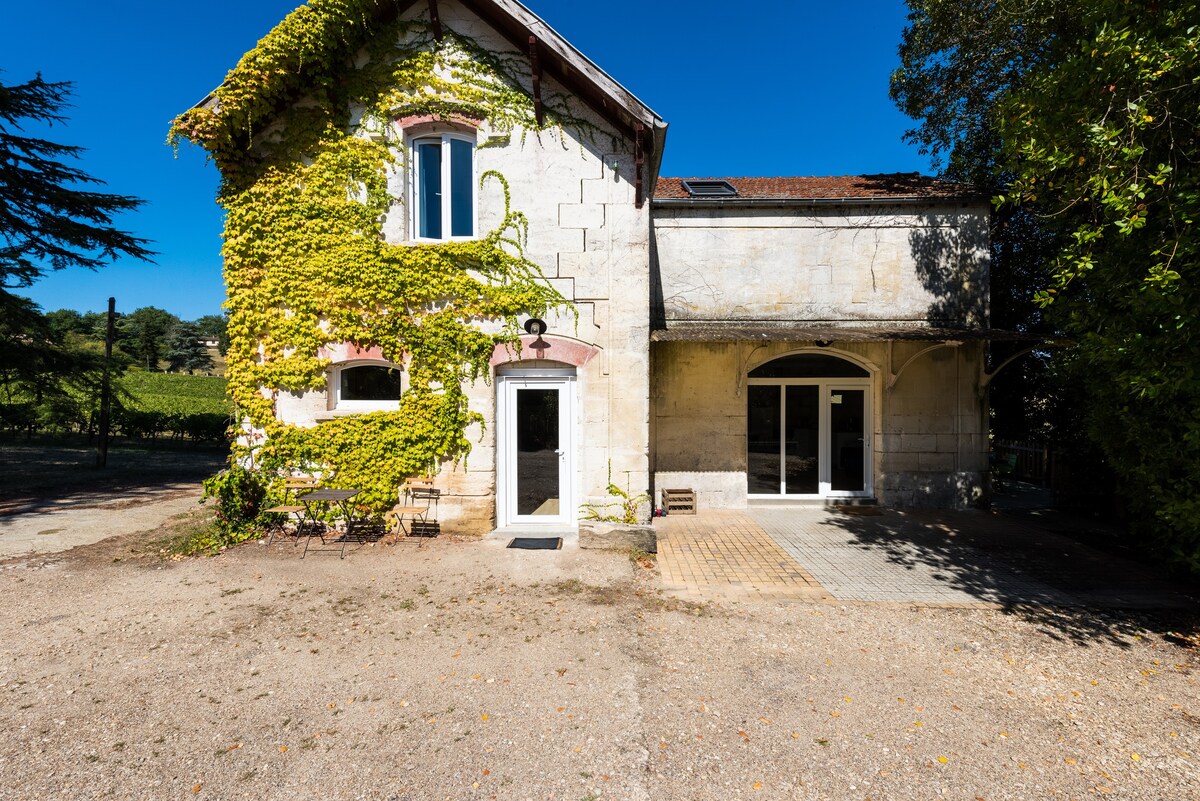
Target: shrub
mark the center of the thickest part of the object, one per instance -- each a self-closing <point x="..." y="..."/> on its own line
<point x="241" y="497"/>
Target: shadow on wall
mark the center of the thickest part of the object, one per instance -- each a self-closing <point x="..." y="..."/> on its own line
<point x="1069" y="591"/>
<point x="950" y="253"/>
<point x="941" y="490"/>
<point x="952" y="265"/>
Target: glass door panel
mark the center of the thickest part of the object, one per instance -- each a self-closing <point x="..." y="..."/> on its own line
<point x="847" y="451"/>
<point x="763" y="461"/>
<point x="538" y="479"/>
<point x="802" y="437"/>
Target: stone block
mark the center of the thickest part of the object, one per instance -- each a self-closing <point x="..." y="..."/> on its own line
<point x="546" y="243"/>
<point x="901" y="461"/>
<point x="617" y="536"/>
<point x="917" y="443"/>
<point x="590" y="271"/>
<point x="607" y="190"/>
<point x="949" y="443"/>
<point x="564" y="286"/>
<point x="580" y="215"/>
<point x="467" y="515"/>
<point x="937" y="461"/>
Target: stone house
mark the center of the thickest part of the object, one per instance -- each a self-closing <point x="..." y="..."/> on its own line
<point x="759" y="340"/>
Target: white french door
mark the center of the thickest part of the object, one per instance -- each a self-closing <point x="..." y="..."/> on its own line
<point x="808" y="438"/>
<point x="535" y="459"/>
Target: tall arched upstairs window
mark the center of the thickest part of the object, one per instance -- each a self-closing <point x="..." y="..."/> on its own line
<point x="808" y="428"/>
<point x="366" y="387"/>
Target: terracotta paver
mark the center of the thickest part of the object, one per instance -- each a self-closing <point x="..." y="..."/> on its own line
<point x="726" y="554"/>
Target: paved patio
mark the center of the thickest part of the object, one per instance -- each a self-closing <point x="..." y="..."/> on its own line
<point x="972" y="559"/>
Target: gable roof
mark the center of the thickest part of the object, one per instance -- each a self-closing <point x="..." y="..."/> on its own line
<point x="574" y="70"/>
<point x="889" y="187"/>
<point x="558" y="58"/>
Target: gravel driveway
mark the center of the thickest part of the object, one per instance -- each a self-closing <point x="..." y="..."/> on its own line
<point x="460" y="670"/>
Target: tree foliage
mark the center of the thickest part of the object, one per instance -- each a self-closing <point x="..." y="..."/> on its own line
<point x="1084" y="117"/>
<point x="49" y="220"/>
<point x="143" y="335"/>
<point x="185" y="352"/>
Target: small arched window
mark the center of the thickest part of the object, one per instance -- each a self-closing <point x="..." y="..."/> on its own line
<point x="809" y="365"/>
<point x="443" y="187"/>
<point x="367" y="387"/>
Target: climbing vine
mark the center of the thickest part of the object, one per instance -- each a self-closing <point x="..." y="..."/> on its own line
<point x="300" y="130"/>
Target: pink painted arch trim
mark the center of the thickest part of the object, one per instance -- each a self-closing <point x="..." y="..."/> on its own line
<point x="562" y="349"/>
<point x="349" y="352"/>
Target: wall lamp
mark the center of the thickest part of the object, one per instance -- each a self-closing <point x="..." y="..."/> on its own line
<point x="537" y="327"/>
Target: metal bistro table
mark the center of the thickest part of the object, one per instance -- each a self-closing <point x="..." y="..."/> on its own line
<point x="328" y="497"/>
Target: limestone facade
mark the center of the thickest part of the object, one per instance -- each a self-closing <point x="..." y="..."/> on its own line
<point x="591" y="241"/>
<point x="870" y="280"/>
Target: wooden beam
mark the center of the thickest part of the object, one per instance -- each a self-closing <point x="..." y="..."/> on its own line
<point x="435" y="20"/>
<point x="639" y="161"/>
<point x="539" y="111"/>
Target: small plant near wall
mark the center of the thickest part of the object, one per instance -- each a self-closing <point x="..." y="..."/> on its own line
<point x="627" y="508"/>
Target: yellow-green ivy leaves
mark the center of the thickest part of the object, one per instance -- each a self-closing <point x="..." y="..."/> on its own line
<point x="306" y="262"/>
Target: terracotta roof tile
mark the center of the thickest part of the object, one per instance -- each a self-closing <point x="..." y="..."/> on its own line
<point x="843" y="187"/>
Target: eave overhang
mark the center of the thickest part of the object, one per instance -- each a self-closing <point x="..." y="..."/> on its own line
<point x="755" y="202"/>
<point x="831" y="331"/>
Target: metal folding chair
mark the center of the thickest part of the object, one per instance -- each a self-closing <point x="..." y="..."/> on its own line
<point x="289" y="507"/>
<point x="418" y="502"/>
<point x="287" y="510"/>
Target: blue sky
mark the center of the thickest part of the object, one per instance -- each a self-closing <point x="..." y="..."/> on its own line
<point x="778" y="88"/>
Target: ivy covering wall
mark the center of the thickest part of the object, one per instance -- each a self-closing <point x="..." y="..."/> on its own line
<point x="301" y="132"/>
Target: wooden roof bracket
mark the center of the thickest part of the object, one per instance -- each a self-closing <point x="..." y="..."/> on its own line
<point x="894" y="377"/>
<point x="639" y="161"/>
<point x="539" y="110"/>
<point x="435" y="20"/>
<point x="743" y="365"/>
<point x="985" y="377"/>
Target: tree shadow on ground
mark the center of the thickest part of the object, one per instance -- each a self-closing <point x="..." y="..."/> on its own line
<point x="44" y="477"/>
<point x="1068" y="590"/>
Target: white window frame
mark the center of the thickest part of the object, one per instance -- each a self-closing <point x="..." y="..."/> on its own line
<point x="335" y="391"/>
<point x="414" y="186"/>
<point x="826" y="388"/>
<point x="507" y="384"/>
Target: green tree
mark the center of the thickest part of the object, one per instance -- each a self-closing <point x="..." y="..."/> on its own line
<point x="1105" y="143"/>
<point x="185" y="351"/>
<point x="48" y="380"/>
<point x="1084" y="115"/>
<point x="49" y="219"/>
<point x="143" y="335"/>
<point x="217" y="327"/>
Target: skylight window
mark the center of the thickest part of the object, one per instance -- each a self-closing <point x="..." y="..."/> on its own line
<point x="710" y="188"/>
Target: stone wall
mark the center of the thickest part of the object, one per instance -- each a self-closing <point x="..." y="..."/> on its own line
<point x="893" y="263"/>
<point x="592" y="244"/>
<point x="928" y="432"/>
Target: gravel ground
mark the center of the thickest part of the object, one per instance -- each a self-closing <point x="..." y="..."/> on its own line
<point x="459" y="670"/>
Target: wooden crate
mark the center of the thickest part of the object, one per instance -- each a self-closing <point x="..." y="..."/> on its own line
<point x="679" y="501"/>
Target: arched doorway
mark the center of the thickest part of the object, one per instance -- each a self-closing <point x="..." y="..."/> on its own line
<point x="808" y="429"/>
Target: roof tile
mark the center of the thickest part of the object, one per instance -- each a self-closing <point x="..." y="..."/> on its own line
<point x="843" y="187"/>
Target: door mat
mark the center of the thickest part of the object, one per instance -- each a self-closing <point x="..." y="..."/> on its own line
<point x="536" y="543"/>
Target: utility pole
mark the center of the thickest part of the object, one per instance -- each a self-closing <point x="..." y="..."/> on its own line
<point x="106" y="385"/>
